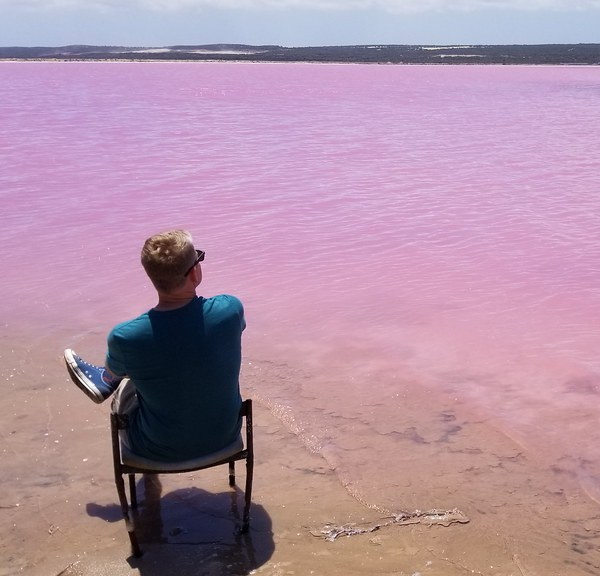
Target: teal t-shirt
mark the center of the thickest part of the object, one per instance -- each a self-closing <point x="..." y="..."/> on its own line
<point x="185" y="365"/>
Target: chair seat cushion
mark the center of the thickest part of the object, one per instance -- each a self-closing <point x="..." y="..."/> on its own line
<point x="128" y="458"/>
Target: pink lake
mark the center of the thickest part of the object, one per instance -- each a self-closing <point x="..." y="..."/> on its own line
<point x="417" y="248"/>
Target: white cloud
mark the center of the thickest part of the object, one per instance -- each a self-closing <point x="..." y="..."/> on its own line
<point x="393" y="6"/>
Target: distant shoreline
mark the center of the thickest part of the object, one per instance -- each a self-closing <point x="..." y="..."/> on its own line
<point x="539" y="54"/>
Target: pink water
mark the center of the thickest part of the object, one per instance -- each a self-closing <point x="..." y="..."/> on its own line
<point x="413" y="244"/>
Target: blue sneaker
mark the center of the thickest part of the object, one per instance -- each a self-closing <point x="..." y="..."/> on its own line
<point x="94" y="381"/>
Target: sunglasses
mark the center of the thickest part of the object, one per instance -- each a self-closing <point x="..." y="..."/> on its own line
<point x="199" y="258"/>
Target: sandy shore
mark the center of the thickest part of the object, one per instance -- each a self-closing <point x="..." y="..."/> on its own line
<point x="59" y="512"/>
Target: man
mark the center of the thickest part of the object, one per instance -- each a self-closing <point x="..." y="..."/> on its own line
<point x="181" y="360"/>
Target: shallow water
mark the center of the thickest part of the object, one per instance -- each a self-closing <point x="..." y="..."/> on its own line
<point x="417" y="249"/>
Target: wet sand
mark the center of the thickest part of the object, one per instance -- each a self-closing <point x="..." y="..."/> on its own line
<point x="67" y="520"/>
<point x="59" y="511"/>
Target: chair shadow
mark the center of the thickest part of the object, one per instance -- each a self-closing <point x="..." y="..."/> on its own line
<point x="194" y="532"/>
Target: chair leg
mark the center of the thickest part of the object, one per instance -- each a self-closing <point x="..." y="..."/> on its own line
<point x="232" y="473"/>
<point x="133" y="492"/>
<point x="119" y="422"/>
<point x="249" y="464"/>
<point x="129" y="523"/>
<point x="248" y="492"/>
<point x="135" y="547"/>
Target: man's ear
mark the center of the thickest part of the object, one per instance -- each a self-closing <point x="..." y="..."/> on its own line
<point x="196" y="274"/>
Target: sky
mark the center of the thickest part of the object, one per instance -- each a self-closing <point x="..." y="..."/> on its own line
<point x="157" y="23"/>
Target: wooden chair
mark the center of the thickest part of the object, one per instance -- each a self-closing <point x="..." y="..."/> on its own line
<point x="127" y="463"/>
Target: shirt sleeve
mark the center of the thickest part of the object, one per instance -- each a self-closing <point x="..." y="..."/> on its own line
<point x="239" y="308"/>
<point x="115" y="361"/>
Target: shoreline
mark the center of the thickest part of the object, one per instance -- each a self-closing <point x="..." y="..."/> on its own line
<point x="71" y="525"/>
<point x="61" y="516"/>
<point x="304" y="62"/>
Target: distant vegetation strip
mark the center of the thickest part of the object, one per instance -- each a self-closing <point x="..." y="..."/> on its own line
<point x="376" y="53"/>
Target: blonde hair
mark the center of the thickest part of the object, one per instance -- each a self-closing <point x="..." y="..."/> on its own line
<point x="166" y="257"/>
